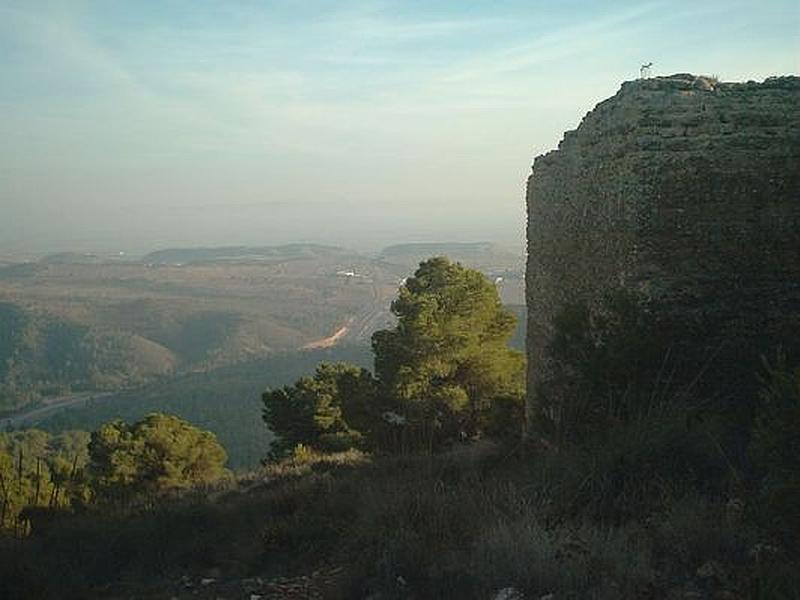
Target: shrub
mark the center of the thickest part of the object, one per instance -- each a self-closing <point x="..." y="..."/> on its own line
<point x="775" y="448"/>
<point x="447" y="360"/>
<point x="316" y="411"/>
<point x="158" y="454"/>
<point x="607" y="366"/>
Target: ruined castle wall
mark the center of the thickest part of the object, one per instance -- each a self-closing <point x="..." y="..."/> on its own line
<point x="682" y="188"/>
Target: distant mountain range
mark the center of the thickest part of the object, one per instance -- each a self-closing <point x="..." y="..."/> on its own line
<point x="239" y="253"/>
<point x="406" y="253"/>
<point x="486" y="256"/>
<point x="439" y="248"/>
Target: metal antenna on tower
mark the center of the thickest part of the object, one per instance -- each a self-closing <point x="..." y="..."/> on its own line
<point x="644" y="71"/>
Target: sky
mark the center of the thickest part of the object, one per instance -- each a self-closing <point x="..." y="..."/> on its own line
<point x="139" y="125"/>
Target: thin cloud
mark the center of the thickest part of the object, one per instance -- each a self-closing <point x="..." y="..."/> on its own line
<point x="564" y="43"/>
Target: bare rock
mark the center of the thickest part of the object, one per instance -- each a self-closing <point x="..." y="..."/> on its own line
<point x="508" y="593"/>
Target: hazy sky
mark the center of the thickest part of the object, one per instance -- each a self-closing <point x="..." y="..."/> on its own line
<point x="138" y="124"/>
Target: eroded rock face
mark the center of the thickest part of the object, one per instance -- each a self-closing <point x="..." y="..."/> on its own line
<point x="682" y="188"/>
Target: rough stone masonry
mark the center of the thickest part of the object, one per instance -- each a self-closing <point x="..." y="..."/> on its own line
<point x="682" y="188"/>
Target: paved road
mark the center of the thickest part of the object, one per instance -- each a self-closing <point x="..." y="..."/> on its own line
<point x="370" y="321"/>
<point x="373" y="317"/>
<point x="33" y="416"/>
<point x="358" y="328"/>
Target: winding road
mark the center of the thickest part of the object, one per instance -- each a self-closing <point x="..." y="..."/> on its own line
<point x="53" y="405"/>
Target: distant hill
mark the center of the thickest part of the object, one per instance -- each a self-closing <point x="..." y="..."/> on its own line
<point x="439" y="249"/>
<point x="74" y="322"/>
<point x="68" y="323"/>
<point x="500" y="265"/>
<point x="473" y="254"/>
<point x="174" y="256"/>
<point x="44" y="354"/>
<point x="67" y="258"/>
<point x="19" y="270"/>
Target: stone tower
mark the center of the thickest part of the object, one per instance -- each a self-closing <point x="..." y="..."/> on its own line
<point x="682" y="188"/>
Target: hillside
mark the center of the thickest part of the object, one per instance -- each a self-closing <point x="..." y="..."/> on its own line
<point x="474" y="523"/>
<point x="226" y="401"/>
<point x="43" y="355"/>
<point x="72" y="322"/>
<point x="125" y="322"/>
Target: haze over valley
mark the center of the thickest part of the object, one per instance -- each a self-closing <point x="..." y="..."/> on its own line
<point x="400" y="299"/>
<point x="79" y="328"/>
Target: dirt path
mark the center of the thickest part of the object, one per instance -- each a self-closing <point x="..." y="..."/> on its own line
<point x="330" y="341"/>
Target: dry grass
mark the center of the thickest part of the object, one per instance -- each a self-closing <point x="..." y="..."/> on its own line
<point x="462" y="524"/>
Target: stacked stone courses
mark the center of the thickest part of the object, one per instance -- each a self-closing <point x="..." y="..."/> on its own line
<point x="683" y="189"/>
